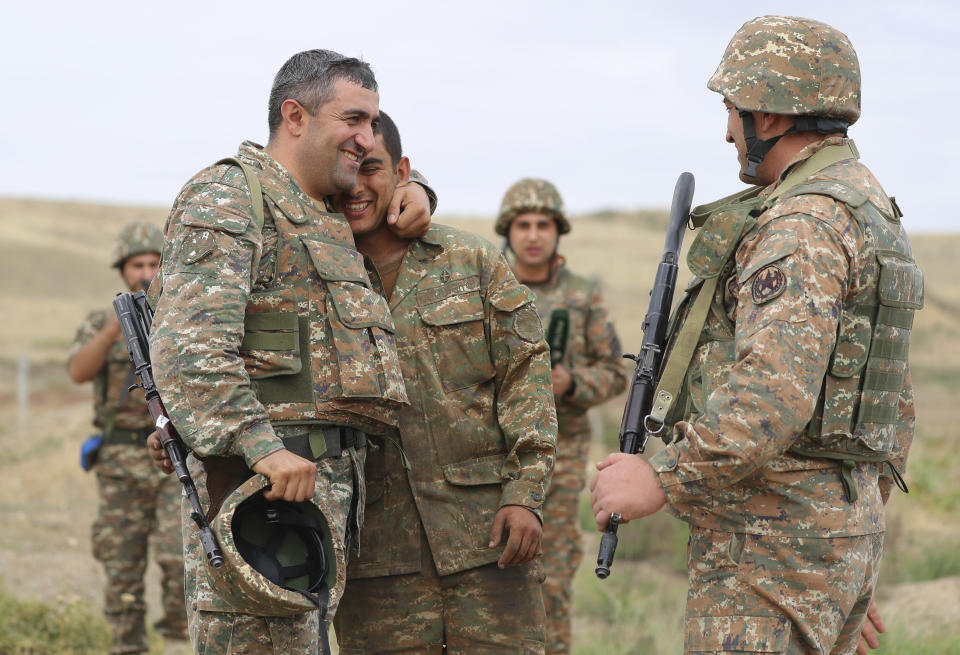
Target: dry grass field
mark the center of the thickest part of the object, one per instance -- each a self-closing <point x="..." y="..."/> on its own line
<point x="54" y="268"/>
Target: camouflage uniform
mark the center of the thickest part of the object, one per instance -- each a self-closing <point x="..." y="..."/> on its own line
<point x="593" y="357"/>
<point x="136" y="501"/>
<point x="266" y="338"/>
<point x="479" y="434"/>
<point x="799" y="377"/>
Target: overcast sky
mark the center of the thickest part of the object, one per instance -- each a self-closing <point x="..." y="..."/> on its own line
<point x="124" y="101"/>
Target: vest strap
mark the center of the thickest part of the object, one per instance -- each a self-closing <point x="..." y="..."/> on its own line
<point x="817" y="162"/>
<point x="256" y="192"/>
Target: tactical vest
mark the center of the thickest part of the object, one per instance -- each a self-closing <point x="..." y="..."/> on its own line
<point x="318" y="341"/>
<point x="857" y="410"/>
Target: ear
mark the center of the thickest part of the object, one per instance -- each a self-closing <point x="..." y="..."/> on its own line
<point x="403" y="170"/>
<point x="294" y="117"/>
<point x="770" y="125"/>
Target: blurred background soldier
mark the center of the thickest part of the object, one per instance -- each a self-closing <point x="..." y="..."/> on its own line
<point x="792" y="406"/>
<point x="453" y="525"/>
<point x="587" y="370"/>
<point x="135" y="499"/>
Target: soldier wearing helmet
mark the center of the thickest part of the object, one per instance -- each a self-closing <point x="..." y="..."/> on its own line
<point x="136" y="501"/>
<point x="587" y="370"/>
<point x="787" y="389"/>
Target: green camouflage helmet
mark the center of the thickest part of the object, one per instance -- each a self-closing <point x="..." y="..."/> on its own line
<point x="135" y="239"/>
<point x="789" y="65"/>
<point x="531" y="195"/>
<point x="279" y="558"/>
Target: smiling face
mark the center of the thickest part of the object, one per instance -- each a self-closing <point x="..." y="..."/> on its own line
<point x="336" y="139"/>
<point x="366" y="204"/>
<point x="533" y="239"/>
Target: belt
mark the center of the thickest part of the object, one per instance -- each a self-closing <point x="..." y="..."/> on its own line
<point x="121" y="436"/>
<point x="325" y="441"/>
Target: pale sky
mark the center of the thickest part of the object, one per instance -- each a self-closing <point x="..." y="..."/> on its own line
<point x="123" y="101"/>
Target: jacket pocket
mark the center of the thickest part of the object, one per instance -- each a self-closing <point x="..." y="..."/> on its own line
<point x="457" y="338"/>
<point x="477" y="485"/>
<point x="361" y="328"/>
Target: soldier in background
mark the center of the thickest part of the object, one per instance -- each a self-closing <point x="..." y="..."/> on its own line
<point x="136" y="501"/>
<point x="792" y="408"/>
<point x="271" y="350"/>
<point x="589" y="371"/>
<point x="475" y="449"/>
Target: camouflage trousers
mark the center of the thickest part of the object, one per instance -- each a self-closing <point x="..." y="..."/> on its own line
<point x="481" y="611"/>
<point x="562" y="554"/>
<point x="130" y="510"/>
<point x="215" y="627"/>
<point x="767" y="594"/>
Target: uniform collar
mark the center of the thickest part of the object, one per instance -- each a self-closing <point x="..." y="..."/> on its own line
<point x="804" y="154"/>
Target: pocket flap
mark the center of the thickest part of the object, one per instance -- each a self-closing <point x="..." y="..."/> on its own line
<point x="483" y="470"/>
<point x="510" y="296"/>
<point x="901" y="282"/>
<point x="750" y="634"/>
<point x="453" y="309"/>
<point x="334" y="262"/>
<point x="770" y="252"/>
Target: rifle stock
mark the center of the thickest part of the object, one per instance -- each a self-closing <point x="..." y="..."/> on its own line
<point x="636" y="425"/>
<point x="136" y="319"/>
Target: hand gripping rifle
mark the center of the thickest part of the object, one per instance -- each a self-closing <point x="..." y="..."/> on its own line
<point x="136" y="317"/>
<point x="637" y="424"/>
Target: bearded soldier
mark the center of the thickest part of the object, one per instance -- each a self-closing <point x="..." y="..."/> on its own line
<point x="786" y="384"/>
<point x="587" y="370"/>
<point x="136" y="501"/>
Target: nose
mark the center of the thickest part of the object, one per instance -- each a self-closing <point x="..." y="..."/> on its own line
<point x="364" y="138"/>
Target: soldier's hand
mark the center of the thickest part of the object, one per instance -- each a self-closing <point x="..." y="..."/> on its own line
<point x="627" y="485"/>
<point x="523" y="531"/>
<point x="159" y="454"/>
<point x="562" y="380"/>
<point x="872" y="626"/>
<point x="409" y="212"/>
<point x="291" y="477"/>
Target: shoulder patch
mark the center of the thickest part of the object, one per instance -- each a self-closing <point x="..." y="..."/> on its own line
<point x="768" y="283"/>
<point x="197" y="245"/>
<point x="527" y="325"/>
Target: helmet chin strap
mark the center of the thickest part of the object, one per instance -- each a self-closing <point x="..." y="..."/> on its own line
<point x="757" y="148"/>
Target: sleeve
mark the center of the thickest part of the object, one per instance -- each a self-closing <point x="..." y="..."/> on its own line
<point x="212" y="250"/>
<point x="416" y="176"/>
<point x="524" y="393"/>
<point x="792" y="277"/>
<point x="599" y="372"/>
<point x="90" y="327"/>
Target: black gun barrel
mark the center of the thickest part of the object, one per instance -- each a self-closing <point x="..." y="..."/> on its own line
<point x="633" y="426"/>
<point x="136" y="319"/>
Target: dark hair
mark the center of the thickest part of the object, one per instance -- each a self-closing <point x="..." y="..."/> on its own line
<point x="308" y="78"/>
<point x="391" y="138"/>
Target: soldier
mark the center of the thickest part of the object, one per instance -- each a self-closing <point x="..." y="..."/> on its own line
<point x="587" y="371"/>
<point x="271" y="350"/>
<point x="793" y="407"/>
<point x="135" y="500"/>
<point x="475" y="450"/>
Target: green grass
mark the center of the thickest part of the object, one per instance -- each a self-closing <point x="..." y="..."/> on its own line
<point x="32" y="628"/>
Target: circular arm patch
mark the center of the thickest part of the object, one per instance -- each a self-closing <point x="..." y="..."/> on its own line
<point x="768" y="283"/>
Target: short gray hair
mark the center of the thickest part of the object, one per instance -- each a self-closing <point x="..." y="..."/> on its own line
<point x="308" y="78"/>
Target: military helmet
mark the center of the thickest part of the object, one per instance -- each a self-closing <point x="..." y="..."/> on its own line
<point x="531" y="195"/>
<point x="789" y="65"/>
<point x="135" y="239"/>
<point x="279" y="558"/>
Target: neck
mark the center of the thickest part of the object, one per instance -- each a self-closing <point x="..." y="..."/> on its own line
<point x="382" y="246"/>
<point x="532" y="274"/>
<point x="784" y="152"/>
<point x="285" y="154"/>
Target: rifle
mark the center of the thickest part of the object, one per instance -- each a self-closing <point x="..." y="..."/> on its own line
<point x="637" y="424"/>
<point x="558" y="331"/>
<point x="136" y="318"/>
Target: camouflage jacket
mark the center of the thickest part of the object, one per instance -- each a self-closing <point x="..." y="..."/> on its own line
<point x="115" y="408"/>
<point x="593" y="356"/>
<point x="480" y="431"/>
<point x="779" y="306"/>
<point x="275" y="324"/>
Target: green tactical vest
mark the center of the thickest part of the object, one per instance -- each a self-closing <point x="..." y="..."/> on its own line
<point x="857" y="411"/>
<point x="318" y="341"/>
